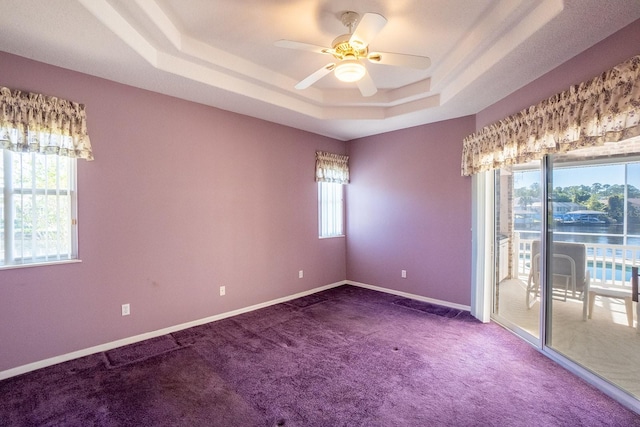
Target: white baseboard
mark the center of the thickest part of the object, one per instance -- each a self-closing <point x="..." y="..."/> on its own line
<point x="137" y="338"/>
<point x="410" y="296"/>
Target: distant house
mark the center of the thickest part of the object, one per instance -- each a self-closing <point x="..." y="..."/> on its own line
<point x="559" y="208"/>
<point x="583" y="217"/>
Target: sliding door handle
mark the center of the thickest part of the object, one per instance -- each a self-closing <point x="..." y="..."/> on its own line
<point x="634" y="283"/>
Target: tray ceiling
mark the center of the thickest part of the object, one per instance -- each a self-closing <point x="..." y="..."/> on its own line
<point x="222" y="53"/>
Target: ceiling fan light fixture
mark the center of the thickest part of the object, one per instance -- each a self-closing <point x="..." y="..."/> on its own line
<point x="350" y="70"/>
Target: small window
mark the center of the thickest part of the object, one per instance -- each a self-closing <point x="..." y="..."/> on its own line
<point x="37" y="208"/>
<point x="330" y="209"/>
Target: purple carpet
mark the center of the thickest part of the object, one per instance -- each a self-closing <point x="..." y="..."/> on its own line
<point x="343" y="357"/>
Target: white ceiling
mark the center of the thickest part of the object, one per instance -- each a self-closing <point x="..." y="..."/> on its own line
<point x="221" y="52"/>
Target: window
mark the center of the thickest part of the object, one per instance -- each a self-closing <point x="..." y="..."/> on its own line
<point x="331" y="209"/>
<point x="332" y="171"/>
<point x="37" y="208"/>
<point x="40" y="139"/>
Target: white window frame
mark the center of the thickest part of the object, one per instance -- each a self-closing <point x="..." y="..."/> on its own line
<point x="53" y="252"/>
<point x="482" y="245"/>
<point x="331" y="218"/>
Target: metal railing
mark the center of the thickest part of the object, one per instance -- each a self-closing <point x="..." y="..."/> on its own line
<point x="608" y="264"/>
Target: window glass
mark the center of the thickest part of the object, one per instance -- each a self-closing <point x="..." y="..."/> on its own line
<point x="38" y="205"/>
<point x="633" y="203"/>
<point x="330" y="209"/>
<point x="588" y="203"/>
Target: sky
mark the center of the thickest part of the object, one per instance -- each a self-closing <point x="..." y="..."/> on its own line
<point x="583" y="175"/>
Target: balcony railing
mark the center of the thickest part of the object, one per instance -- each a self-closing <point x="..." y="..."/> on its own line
<point x="609" y="265"/>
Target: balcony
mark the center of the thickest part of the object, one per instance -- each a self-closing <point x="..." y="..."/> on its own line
<point x="596" y="342"/>
<point x="609" y="267"/>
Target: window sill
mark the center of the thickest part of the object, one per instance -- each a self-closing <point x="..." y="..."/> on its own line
<point x="330" y="237"/>
<point x="40" y="264"/>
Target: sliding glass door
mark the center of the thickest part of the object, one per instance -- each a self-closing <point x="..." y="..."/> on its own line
<point x="567" y="233"/>
<point x="518" y="224"/>
<point x="594" y="240"/>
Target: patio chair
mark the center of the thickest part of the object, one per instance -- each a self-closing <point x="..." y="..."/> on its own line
<point x="570" y="277"/>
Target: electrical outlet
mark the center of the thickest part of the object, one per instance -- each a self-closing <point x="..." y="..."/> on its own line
<point x="403" y="274"/>
<point x="223" y="291"/>
<point x="300" y="274"/>
<point x="126" y="309"/>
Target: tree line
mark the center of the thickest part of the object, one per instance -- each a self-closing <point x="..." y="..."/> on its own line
<point x="605" y="198"/>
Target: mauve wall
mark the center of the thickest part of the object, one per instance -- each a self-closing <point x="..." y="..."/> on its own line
<point x="409" y="209"/>
<point x="182" y="198"/>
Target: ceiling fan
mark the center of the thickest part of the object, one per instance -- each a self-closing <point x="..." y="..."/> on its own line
<point x="350" y="49"/>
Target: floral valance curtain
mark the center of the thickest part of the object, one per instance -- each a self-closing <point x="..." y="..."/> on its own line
<point x="332" y="167"/>
<point x="30" y="122"/>
<point x="604" y="109"/>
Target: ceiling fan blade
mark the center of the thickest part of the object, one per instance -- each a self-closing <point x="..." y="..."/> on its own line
<point x="399" y="60"/>
<point x="316" y="76"/>
<point x="367" y="29"/>
<point x="303" y="46"/>
<point x="366" y="85"/>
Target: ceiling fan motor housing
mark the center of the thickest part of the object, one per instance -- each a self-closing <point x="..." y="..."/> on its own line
<point x="343" y="48"/>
